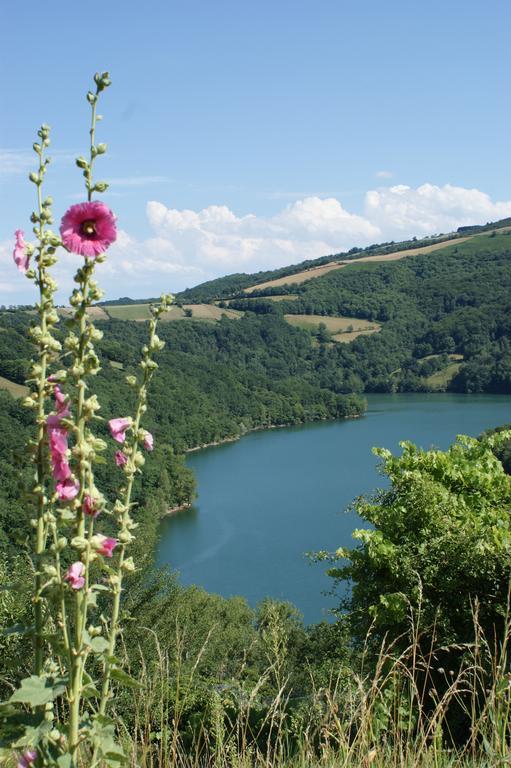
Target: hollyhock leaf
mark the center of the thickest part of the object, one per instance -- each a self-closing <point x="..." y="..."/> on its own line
<point x="36" y="691"/>
<point x="124" y="679"/>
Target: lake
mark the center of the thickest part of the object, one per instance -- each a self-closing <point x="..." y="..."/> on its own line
<point x="271" y="497"/>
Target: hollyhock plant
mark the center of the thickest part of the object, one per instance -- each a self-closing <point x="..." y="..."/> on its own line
<point x="148" y="441"/>
<point x="27" y="759"/>
<point x="74" y="575"/>
<point x="118" y="428"/>
<point x="64" y="452"/>
<point x="88" y="229"/>
<point x="20" y="254"/>
<point x="104" y="545"/>
<point x="120" y="458"/>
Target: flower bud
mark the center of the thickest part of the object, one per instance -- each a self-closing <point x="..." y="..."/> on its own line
<point x="79" y="543"/>
<point x="101" y="186"/>
<point x="81" y="162"/>
<point x="128" y="565"/>
<point x="101" y="149"/>
<point x="50" y="570"/>
<point x="132" y="381"/>
<point x="34" y="177"/>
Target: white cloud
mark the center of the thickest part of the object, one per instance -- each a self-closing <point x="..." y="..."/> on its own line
<point x="187" y="247"/>
<point x="401" y="211"/>
<point x="18" y="161"/>
<point x="384" y="174"/>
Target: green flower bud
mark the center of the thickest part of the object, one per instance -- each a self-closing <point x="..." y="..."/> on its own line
<point x="50" y="570"/>
<point x="34" y="177"/>
<point x="128" y="565"/>
<point x="132" y="381"/>
<point x="47" y="202"/>
<point x="101" y="186"/>
<point x="79" y="543"/>
<point x="81" y="162"/>
<point x="101" y="149"/>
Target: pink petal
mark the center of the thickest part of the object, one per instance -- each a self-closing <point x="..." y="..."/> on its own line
<point x="120" y="458"/>
<point x="68" y="489"/>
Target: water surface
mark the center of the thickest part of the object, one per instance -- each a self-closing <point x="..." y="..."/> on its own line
<point x="273" y="496"/>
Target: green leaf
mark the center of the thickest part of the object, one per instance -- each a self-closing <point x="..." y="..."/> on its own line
<point x="38" y="690"/>
<point x="123" y="678"/>
<point x="64" y="761"/>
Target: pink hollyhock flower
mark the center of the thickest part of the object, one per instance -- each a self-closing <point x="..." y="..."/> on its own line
<point x="120" y="458"/>
<point x="88" y="229"/>
<point x="118" y="428"/>
<point x="27" y="759"/>
<point x="58" y="442"/>
<point x="90" y="506"/>
<point x="62" y="402"/>
<point x="148" y="441"/>
<point x="61" y="471"/>
<point x="20" y="254"/>
<point x="68" y="490"/>
<point x="74" y="575"/>
<point x="105" y="545"/>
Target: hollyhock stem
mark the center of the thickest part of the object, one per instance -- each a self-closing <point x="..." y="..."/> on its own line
<point x="85" y="327"/>
<point x="45" y="307"/>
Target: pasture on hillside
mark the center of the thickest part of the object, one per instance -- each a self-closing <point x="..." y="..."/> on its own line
<point x="16" y="390"/>
<point x="140" y="312"/>
<point x="309" y="274"/>
<point x="343" y="329"/>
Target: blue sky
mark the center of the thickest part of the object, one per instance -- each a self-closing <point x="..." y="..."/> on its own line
<point x="246" y="135"/>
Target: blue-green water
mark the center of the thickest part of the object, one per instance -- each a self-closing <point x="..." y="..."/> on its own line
<point x="269" y="498"/>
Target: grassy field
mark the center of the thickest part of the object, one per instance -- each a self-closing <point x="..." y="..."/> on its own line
<point x="345" y="338"/>
<point x="211" y="312"/>
<point x="16" y="390"/>
<point x="309" y="274"/>
<point x="440" y="379"/>
<point x="140" y="312"/>
<point x="97" y="313"/>
<point x="338" y="326"/>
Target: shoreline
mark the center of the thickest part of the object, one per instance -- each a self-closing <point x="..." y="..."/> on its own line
<point x="174" y="510"/>
<point x="264" y="427"/>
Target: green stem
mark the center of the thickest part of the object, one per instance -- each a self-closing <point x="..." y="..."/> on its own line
<point x="41" y="462"/>
<point x="77" y="653"/>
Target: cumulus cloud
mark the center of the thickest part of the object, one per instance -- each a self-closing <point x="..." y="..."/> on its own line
<point x="187" y="247"/>
<point x="403" y="211"/>
<point x="216" y="239"/>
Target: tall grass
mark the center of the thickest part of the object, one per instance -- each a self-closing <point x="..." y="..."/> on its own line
<point x="396" y="708"/>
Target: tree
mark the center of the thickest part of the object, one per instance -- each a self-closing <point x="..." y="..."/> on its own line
<point x="440" y="542"/>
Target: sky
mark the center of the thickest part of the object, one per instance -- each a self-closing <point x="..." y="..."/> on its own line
<point x="251" y="135"/>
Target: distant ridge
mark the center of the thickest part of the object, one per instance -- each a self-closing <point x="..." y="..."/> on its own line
<point x="236" y="283"/>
